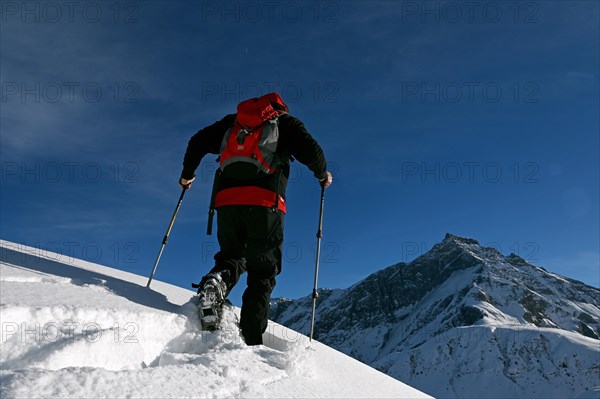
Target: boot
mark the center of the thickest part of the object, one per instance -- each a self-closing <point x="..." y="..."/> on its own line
<point x="211" y="296"/>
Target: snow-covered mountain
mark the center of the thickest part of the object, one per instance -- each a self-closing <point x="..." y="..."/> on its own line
<point x="71" y="328"/>
<point x="463" y="320"/>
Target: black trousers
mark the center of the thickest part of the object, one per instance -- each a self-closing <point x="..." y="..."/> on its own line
<point x="251" y="240"/>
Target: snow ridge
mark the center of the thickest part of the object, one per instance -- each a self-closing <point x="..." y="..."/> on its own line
<point x="83" y="330"/>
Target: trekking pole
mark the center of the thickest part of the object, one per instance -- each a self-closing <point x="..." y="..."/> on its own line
<point x="166" y="238"/>
<point x="315" y="294"/>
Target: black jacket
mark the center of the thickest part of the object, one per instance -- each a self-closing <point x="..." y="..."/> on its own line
<point x="294" y="143"/>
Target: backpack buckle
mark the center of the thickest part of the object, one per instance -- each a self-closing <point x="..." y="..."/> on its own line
<point x="241" y="138"/>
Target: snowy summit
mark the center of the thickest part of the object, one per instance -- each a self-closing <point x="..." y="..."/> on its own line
<point x="78" y="329"/>
<point x="463" y="320"/>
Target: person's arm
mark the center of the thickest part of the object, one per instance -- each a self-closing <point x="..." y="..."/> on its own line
<point x="205" y="141"/>
<point x="306" y="150"/>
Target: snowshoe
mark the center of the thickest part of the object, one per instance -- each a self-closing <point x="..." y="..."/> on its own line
<point x="211" y="298"/>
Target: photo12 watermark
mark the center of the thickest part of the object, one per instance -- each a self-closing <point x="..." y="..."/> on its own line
<point x="69" y="92"/>
<point x="270" y="12"/>
<point x="69" y="12"/>
<point x="298" y="172"/>
<point x="527" y="250"/>
<point x="475" y="333"/>
<point x="292" y="252"/>
<point x="70" y="172"/>
<point x="68" y="331"/>
<point x="326" y="92"/>
<point x="470" y="172"/>
<point x="469" y="92"/>
<point x="470" y="12"/>
<point x="68" y="252"/>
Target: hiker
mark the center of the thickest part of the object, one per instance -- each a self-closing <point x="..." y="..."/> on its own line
<point x="255" y="147"/>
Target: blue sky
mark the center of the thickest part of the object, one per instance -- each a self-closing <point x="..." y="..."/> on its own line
<point x="479" y="119"/>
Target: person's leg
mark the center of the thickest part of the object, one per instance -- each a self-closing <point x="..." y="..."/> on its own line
<point x="229" y="265"/>
<point x="231" y="234"/>
<point x="263" y="262"/>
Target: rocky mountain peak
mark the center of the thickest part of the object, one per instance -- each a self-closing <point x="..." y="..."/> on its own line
<point x="459" y="240"/>
<point x="412" y="320"/>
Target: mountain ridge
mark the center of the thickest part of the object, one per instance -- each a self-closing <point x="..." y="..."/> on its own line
<point x="408" y="312"/>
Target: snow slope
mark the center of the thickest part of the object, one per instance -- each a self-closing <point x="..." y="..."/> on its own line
<point x="78" y="329"/>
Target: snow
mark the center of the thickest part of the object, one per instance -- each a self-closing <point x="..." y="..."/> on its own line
<point x="430" y="345"/>
<point x="454" y="355"/>
<point x="71" y="328"/>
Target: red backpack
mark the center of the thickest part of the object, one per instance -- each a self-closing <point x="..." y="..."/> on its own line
<point x="248" y="148"/>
